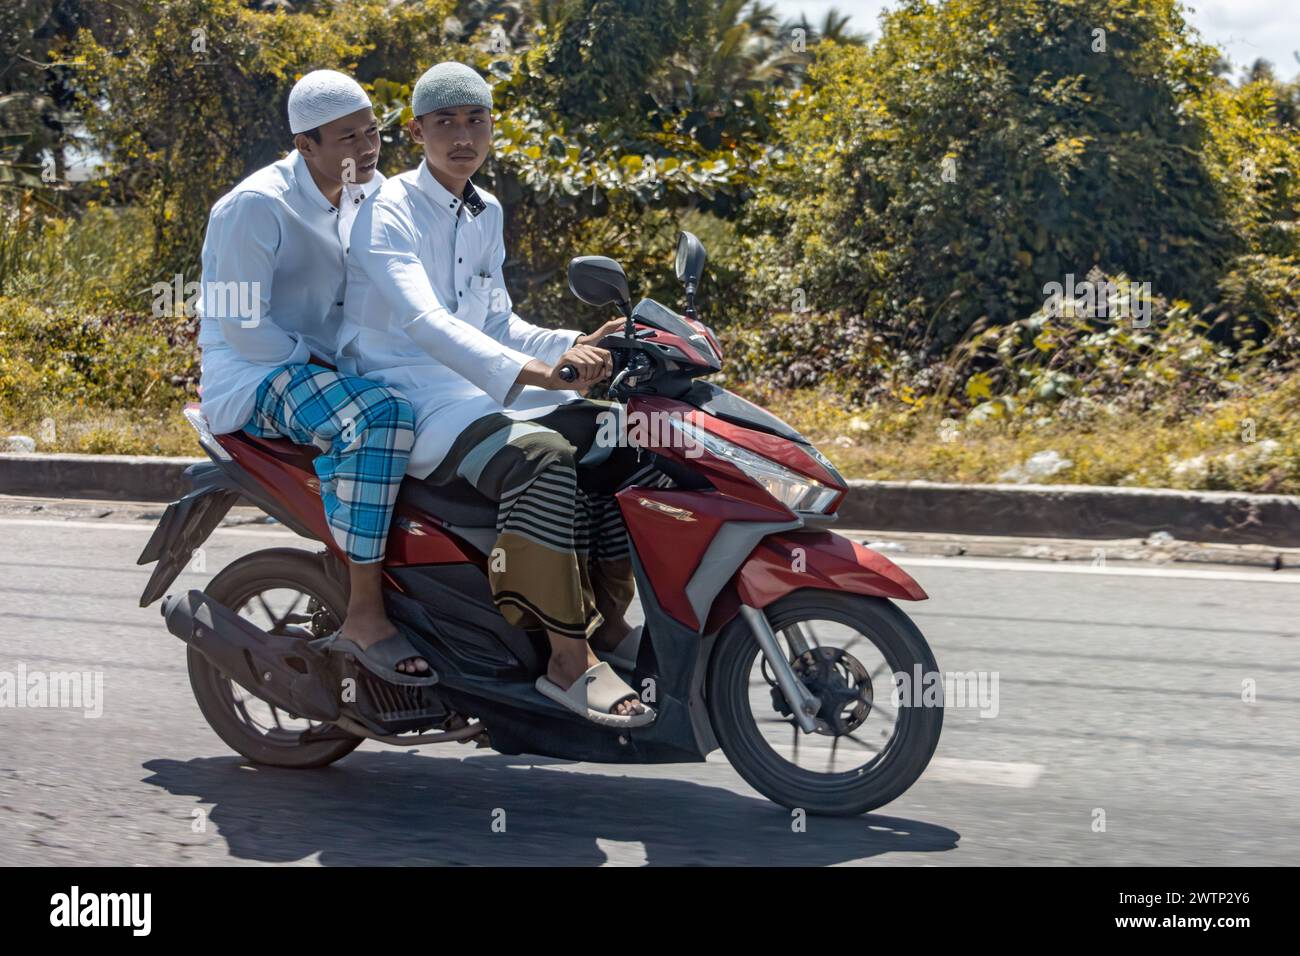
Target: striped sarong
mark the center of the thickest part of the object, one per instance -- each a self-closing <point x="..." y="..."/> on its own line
<point x="561" y="559"/>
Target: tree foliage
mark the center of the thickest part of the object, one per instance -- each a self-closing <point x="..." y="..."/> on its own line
<point x="865" y="203"/>
<point x="983" y="148"/>
<point x="186" y="97"/>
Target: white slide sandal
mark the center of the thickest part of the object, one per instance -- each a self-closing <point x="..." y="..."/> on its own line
<point x="593" y="695"/>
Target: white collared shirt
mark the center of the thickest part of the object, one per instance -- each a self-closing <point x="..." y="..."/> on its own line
<point x="427" y="312"/>
<point x="273" y="275"/>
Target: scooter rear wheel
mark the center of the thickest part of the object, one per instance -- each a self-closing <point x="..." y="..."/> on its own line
<point x="265" y="583"/>
<point x="886" y="740"/>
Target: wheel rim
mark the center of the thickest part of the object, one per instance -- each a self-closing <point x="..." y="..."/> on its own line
<point x="858" y="725"/>
<point x="282" y="610"/>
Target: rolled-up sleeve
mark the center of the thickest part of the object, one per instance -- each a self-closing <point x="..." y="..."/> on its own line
<point x="503" y="325"/>
<point x="390" y="257"/>
<point x="239" y="254"/>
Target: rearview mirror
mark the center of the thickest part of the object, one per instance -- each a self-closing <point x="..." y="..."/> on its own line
<point x="690" y="258"/>
<point x="598" y="280"/>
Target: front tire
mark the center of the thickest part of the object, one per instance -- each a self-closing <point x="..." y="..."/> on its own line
<point x="240" y="719"/>
<point x="740" y="706"/>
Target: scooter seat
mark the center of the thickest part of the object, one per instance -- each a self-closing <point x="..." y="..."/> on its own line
<point x="457" y="503"/>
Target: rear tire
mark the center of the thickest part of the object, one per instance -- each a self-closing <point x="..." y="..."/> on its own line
<point x="235" y="586"/>
<point x="885" y="778"/>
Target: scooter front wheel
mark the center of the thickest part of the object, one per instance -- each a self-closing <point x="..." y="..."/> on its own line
<point x="876" y="730"/>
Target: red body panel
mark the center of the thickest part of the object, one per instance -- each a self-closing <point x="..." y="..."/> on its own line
<point x="284" y="470"/>
<point x="786" y="562"/>
<point x="689" y="353"/>
<point x="772" y="446"/>
<point x="417" y="538"/>
<point x="285" y="473"/>
<point x="672" y="530"/>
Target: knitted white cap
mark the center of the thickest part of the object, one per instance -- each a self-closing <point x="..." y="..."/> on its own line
<point x="321" y="97"/>
<point x="449" y="84"/>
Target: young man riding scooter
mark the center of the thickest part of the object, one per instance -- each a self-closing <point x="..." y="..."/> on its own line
<point x="427" y="313"/>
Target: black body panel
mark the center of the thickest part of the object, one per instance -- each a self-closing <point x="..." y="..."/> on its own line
<point x="185" y="525"/>
<point x="449" y="608"/>
<point x="730" y="407"/>
<point x="487" y="669"/>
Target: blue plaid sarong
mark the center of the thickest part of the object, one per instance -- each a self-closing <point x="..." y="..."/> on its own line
<point x="364" y="431"/>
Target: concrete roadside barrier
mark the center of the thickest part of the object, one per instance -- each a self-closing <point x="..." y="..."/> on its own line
<point x="1067" y="511"/>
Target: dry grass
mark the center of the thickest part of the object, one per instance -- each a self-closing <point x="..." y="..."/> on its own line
<point x="896" y="442"/>
<point x="72" y="428"/>
<point x="1251" y="443"/>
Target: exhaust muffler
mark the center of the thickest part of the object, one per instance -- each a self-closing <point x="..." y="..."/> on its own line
<point x="283" y="671"/>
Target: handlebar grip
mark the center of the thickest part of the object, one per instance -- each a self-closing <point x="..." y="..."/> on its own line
<point x="568" y="373"/>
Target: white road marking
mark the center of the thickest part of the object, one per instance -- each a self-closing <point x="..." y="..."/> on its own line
<point x="141" y="526"/>
<point x="1036" y="566"/>
<point x="1027" y="565"/>
<point x="992" y="773"/>
<point x="620" y="853"/>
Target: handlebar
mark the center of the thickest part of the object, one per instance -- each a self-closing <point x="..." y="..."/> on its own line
<point x="636" y="365"/>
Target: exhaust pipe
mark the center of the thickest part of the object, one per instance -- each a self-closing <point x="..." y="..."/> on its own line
<point x="283" y="671"/>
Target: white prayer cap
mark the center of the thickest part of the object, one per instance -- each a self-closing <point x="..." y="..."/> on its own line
<point x="321" y="97"/>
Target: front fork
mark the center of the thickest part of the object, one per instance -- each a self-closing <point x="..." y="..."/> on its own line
<point x="801" y="700"/>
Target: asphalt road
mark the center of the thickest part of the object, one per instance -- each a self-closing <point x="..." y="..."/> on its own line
<point x="1120" y="702"/>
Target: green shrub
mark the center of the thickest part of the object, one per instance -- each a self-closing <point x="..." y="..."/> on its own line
<point x="120" y="360"/>
<point x="1260" y="296"/>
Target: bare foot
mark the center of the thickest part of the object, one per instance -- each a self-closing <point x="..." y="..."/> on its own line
<point x="568" y="665"/>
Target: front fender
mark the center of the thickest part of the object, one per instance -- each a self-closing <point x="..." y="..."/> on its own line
<point x="790" y="560"/>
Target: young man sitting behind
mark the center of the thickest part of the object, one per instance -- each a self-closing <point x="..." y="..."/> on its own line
<point x="272" y="303"/>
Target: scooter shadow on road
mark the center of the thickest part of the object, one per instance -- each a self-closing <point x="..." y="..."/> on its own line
<point x="378" y="808"/>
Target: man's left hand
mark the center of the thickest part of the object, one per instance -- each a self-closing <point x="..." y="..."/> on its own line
<point x="612" y="327"/>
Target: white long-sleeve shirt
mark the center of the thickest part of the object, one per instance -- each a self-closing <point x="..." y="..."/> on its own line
<point x="427" y="313"/>
<point x="272" y="288"/>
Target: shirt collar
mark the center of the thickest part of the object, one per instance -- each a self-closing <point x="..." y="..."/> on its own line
<point x="302" y="179"/>
<point x="444" y="198"/>
<point x="353" y="191"/>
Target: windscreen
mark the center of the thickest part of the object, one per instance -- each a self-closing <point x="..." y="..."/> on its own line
<point x="661" y="317"/>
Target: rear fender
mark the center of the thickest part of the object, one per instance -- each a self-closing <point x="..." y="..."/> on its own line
<point x="184" y="526"/>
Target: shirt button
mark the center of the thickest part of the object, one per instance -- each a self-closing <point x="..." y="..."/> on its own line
<point x="460" y="293"/>
<point x="460" y="260"/>
<point x="338" y="303"/>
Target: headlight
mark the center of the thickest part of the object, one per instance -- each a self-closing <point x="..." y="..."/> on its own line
<point x="790" y="488"/>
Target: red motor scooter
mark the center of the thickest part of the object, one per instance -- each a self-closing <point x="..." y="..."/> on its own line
<point x="765" y="633"/>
